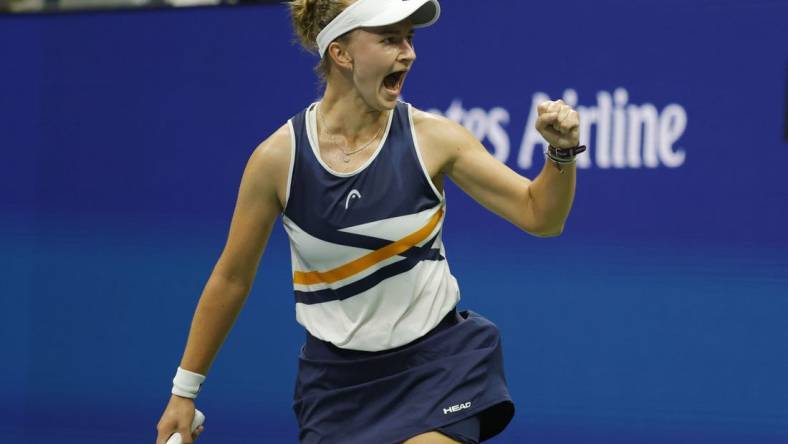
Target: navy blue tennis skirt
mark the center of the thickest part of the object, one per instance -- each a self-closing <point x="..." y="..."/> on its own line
<point x="452" y="373"/>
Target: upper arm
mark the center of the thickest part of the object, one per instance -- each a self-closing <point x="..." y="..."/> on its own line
<point x="260" y="199"/>
<point x="469" y="165"/>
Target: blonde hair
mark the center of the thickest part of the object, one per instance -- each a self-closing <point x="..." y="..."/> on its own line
<point x="309" y="18"/>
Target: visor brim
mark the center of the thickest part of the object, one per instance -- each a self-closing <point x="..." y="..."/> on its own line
<point x="421" y="13"/>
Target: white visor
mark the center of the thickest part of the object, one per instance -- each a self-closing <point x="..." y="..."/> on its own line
<point x="373" y="13"/>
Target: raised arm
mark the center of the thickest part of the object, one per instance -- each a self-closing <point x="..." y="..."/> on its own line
<point x="539" y="207"/>
<point x="260" y="199"/>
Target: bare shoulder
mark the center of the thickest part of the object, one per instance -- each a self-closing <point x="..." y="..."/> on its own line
<point x="438" y="128"/>
<point x="440" y="135"/>
<point x="269" y="164"/>
<point x="274" y="151"/>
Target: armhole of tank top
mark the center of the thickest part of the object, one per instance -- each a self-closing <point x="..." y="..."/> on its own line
<point x="418" y="154"/>
<point x="292" y="164"/>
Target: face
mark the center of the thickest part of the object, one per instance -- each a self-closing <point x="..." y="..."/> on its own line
<point x="381" y="59"/>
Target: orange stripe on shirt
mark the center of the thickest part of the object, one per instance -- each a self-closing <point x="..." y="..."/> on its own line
<point x="370" y="259"/>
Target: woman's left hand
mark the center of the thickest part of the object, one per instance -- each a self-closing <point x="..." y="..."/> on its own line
<point x="558" y="123"/>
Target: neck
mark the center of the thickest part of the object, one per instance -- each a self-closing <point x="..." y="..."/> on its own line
<point x="345" y="112"/>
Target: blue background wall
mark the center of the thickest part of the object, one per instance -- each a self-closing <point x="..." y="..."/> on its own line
<point x="659" y="316"/>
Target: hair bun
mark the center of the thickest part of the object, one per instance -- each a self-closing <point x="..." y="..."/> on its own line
<point x="311" y="16"/>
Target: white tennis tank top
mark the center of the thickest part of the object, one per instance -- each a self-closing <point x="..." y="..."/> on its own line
<point x="369" y="267"/>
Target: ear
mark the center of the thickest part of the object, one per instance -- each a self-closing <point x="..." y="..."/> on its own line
<point x="340" y="55"/>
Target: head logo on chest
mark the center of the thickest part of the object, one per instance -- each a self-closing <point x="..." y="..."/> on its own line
<point x="352" y="194"/>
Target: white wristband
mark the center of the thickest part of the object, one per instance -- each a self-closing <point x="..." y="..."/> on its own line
<point x="187" y="384"/>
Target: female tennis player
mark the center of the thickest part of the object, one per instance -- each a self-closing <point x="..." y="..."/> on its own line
<point x="358" y="180"/>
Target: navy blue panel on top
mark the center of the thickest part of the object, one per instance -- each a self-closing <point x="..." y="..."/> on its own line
<point x="393" y="184"/>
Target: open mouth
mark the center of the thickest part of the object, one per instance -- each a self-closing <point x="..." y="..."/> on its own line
<point x="393" y="82"/>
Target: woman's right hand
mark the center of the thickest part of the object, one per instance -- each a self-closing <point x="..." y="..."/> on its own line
<point x="178" y="417"/>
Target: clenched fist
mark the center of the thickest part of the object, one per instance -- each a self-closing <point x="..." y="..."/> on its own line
<point x="558" y="123"/>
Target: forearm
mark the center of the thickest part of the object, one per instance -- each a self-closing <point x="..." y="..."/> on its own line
<point x="219" y="306"/>
<point x="550" y="198"/>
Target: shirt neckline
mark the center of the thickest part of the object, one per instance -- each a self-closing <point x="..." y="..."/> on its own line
<point x="311" y="133"/>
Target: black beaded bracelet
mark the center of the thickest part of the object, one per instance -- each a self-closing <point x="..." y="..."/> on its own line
<point x="564" y="155"/>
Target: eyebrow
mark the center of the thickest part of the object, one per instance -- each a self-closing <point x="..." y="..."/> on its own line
<point x="393" y="31"/>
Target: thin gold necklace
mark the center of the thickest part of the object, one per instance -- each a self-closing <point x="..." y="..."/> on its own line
<point x="347" y="154"/>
